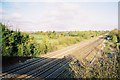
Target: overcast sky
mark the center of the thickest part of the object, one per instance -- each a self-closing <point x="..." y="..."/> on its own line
<point x="60" y="16"/>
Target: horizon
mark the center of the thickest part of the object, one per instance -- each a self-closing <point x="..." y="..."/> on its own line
<point x="60" y="16"/>
<point x="10" y="28"/>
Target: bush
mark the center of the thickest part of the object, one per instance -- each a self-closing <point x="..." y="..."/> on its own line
<point x="15" y="43"/>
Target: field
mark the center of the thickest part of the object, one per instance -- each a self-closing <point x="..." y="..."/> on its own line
<point x="78" y="54"/>
<point x="58" y="40"/>
<point x="16" y="43"/>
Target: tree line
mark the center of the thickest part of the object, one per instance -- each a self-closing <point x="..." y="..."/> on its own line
<point x="16" y="43"/>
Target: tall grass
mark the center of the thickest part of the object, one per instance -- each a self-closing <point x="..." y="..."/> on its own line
<point x="16" y="43"/>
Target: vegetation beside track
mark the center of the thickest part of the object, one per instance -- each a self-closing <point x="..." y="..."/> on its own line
<point x="16" y="43"/>
<point x="106" y="66"/>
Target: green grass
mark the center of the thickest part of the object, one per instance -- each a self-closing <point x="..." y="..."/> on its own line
<point x="16" y="43"/>
<point x="58" y="40"/>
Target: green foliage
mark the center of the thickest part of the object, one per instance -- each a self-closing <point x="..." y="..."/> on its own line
<point x="52" y="40"/>
<point x="15" y="43"/>
<point x="114" y="39"/>
<point x="106" y="66"/>
<point x="115" y="35"/>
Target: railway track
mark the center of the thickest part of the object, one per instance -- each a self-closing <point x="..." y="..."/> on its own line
<point x="67" y="73"/>
<point x="51" y="67"/>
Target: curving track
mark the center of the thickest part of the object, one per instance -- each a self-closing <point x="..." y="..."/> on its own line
<point x="55" y="64"/>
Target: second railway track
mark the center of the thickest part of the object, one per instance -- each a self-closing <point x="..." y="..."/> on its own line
<point x="49" y="67"/>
